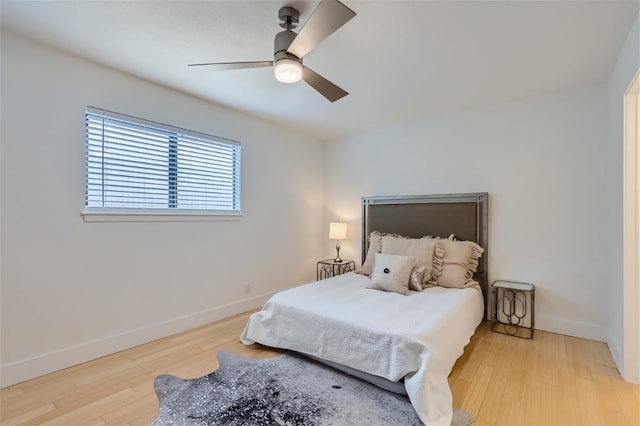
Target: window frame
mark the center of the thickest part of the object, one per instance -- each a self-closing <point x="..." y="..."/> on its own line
<point x="170" y="214"/>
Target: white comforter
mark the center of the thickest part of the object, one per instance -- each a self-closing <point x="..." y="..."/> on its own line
<point x="418" y="337"/>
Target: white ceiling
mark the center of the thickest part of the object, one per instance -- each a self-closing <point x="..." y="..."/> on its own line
<point x="401" y="61"/>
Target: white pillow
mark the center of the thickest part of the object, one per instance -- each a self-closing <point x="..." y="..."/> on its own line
<point x="391" y="273"/>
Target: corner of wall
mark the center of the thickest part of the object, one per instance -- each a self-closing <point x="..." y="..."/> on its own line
<point x="622" y="343"/>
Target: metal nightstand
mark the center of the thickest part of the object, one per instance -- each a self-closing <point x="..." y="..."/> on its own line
<point x="330" y="268"/>
<point x="514" y="308"/>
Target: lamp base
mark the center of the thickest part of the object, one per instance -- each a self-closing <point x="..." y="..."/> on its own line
<point x="337" y="258"/>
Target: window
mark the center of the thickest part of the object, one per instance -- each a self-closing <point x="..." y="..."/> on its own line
<point x="134" y="166"/>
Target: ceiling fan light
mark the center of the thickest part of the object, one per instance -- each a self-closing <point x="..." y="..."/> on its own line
<point x="288" y="70"/>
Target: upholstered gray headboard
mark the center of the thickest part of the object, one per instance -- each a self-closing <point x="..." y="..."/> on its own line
<point x="464" y="215"/>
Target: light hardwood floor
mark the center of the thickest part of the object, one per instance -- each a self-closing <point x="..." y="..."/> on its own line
<point x="551" y="379"/>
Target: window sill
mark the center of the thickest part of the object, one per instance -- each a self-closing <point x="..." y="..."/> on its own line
<point x="148" y="215"/>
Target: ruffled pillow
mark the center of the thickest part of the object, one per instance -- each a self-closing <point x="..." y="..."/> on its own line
<point x="436" y="265"/>
<point x="423" y="249"/>
<point x="459" y="263"/>
<point x="375" y="246"/>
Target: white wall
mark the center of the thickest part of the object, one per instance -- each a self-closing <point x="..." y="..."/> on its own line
<point x="623" y="345"/>
<point x="71" y="290"/>
<point x="540" y="159"/>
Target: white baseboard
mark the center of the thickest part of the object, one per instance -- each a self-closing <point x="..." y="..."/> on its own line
<point x="571" y="328"/>
<point x="628" y="371"/>
<point x="40" y="365"/>
<point x="30" y="368"/>
<point x="616" y="350"/>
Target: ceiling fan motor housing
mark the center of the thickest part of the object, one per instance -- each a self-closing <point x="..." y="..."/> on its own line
<point x="281" y="44"/>
<point x="288" y="18"/>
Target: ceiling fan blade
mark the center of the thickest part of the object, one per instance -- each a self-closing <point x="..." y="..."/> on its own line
<point x="218" y="66"/>
<point x="322" y="85"/>
<point x="324" y="21"/>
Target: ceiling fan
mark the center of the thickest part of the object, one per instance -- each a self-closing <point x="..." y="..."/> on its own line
<point x="290" y="47"/>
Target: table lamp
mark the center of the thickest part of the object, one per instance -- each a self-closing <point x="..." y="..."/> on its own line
<point x="338" y="231"/>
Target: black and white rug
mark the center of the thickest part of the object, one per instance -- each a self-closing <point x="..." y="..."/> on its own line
<point x="285" y="390"/>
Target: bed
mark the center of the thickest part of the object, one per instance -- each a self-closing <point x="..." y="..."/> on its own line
<point x="404" y="339"/>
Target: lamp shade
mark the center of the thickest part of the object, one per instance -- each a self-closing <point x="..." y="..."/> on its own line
<point x="288" y="70"/>
<point x="338" y="231"/>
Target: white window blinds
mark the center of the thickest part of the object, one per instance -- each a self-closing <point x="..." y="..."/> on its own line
<point x="138" y="165"/>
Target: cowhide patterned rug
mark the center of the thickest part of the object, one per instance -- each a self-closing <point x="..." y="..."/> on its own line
<point x="285" y="390"/>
